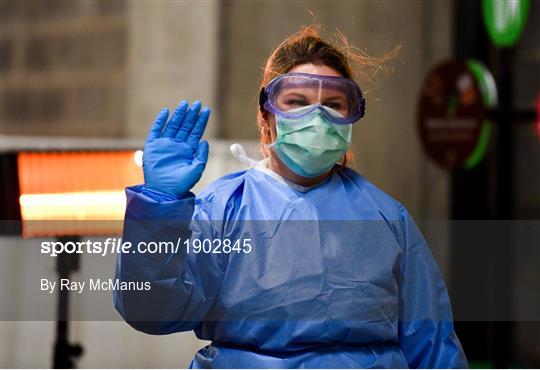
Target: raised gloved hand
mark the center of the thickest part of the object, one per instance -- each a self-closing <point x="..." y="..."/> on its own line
<point x="174" y="155"/>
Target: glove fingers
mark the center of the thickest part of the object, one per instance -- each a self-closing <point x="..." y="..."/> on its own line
<point x="198" y="128"/>
<point x="190" y="119"/>
<point x="157" y="126"/>
<point x="202" y="153"/>
<point x="176" y="120"/>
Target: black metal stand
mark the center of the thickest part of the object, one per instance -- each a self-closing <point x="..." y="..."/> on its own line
<point x="65" y="353"/>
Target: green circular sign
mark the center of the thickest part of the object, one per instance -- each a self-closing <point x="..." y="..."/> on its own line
<point x="487" y="86"/>
<point x="505" y="20"/>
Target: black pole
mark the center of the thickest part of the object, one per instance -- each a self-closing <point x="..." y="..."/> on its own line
<point x="469" y="201"/>
<point x="65" y="352"/>
<point x="482" y="277"/>
<point x="504" y="258"/>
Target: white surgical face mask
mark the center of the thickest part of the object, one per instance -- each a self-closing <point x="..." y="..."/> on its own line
<point x="311" y="145"/>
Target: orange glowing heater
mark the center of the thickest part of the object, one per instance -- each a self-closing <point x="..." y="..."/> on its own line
<point x="75" y="190"/>
<point x="77" y="193"/>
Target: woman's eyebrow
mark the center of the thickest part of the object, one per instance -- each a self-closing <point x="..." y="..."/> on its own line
<point x="295" y="94"/>
<point x="335" y="97"/>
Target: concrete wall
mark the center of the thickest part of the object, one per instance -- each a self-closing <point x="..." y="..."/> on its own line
<point x="105" y="68"/>
<point x="172" y="55"/>
<point x="63" y="67"/>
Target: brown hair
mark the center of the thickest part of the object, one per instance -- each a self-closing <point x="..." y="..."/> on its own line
<point x="307" y="46"/>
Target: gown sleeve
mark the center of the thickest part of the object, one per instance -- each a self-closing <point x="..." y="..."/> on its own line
<point x="426" y="328"/>
<point x="181" y="286"/>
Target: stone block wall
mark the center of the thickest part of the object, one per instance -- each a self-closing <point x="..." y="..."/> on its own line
<point x="63" y="66"/>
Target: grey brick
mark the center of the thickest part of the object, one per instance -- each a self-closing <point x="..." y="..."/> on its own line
<point x="37" y="54"/>
<point x="111" y="7"/>
<point x="23" y="105"/>
<point x="6" y="55"/>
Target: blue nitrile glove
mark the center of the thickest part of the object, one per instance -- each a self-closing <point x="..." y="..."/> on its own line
<point x="174" y="157"/>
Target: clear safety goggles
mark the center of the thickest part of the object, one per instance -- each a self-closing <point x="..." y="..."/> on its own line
<point x="286" y="93"/>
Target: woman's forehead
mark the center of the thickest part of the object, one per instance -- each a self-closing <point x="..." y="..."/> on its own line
<point x="322" y="70"/>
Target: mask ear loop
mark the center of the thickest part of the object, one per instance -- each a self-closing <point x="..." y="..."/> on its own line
<point x="239" y="153"/>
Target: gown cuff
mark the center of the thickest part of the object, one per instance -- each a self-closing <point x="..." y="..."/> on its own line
<point x="145" y="203"/>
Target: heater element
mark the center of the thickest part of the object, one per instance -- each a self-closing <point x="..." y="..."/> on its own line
<point x="75" y="193"/>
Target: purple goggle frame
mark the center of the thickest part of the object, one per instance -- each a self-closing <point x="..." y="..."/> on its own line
<point x="355" y="100"/>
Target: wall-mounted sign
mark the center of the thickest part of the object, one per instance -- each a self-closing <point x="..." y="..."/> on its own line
<point x="505" y="20"/>
<point x="452" y="113"/>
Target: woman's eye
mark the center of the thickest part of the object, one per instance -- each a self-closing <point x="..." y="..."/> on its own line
<point x="297" y="103"/>
<point x="335" y="106"/>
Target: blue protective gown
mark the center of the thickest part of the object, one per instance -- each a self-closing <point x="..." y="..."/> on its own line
<point x="338" y="276"/>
